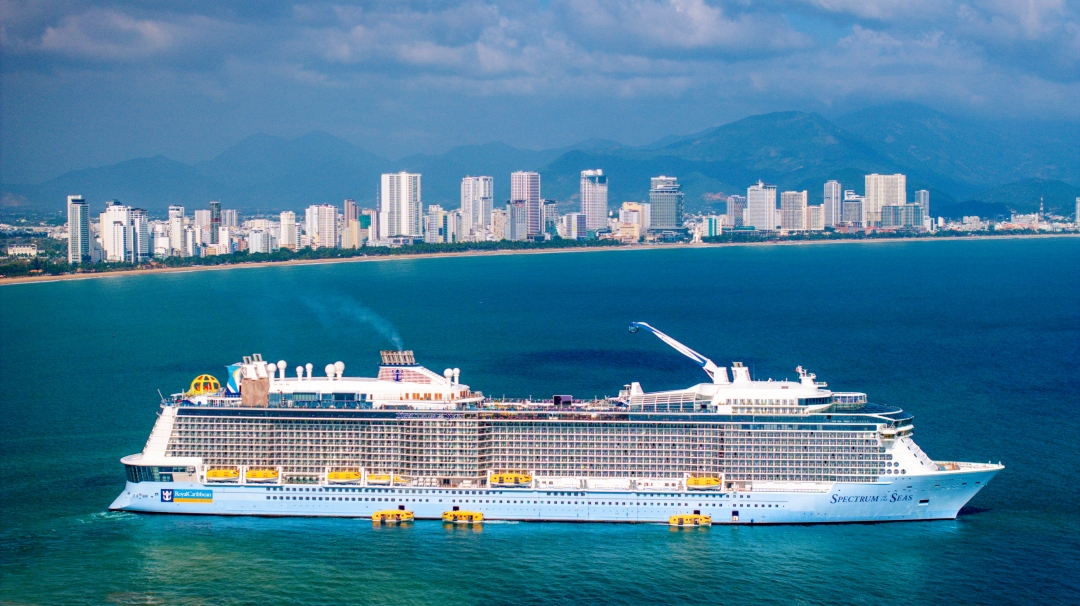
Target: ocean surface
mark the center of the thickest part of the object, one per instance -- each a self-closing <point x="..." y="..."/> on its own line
<point x="980" y="340"/>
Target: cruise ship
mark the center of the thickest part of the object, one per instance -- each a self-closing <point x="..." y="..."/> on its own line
<point x="411" y="443"/>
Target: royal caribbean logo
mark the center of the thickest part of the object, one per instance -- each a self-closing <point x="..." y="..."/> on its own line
<point x="187" y="496"/>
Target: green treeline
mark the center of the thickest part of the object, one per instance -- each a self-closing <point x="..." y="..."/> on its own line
<point x="24" y="267"/>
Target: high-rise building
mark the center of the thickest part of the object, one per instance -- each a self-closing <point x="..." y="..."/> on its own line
<point x="853" y="214"/>
<point x="815" y="217"/>
<point x="517" y="221"/>
<point x="922" y="198"/>
<point x="833" y="203"/>
<point x="400" y="203"/>
<point x="260" y="241"/>
<point x="215" y="220"/>
<point x="594" y="202"/>
<point x="176" y="230"/>
<point x="351" y="211"/>
<point x="713" y="225"/>
<point x="575" y="226"/>
<point x="288" y="234"/>
<point x="882" y="190"/>
<point x="666" y="200"/>
<point x="551" y="215"/>
<point x="115" y="231"/>
<point x="141" y="250"/>
<point x="498" y="224"/>
<point x="736" y="208"/>
<point x="326" y="229"/>
<point x="635" y="219"/>
<point x="78" y="230"/>
<point x="902" y="215"/>
<point x="853" y="209"/>
<point x="350" y="229"/>
<point x="230" y="217"/>
<point x="436" y="225"/>
<point x="369" y="225"/>
<point x="202" y="225"/>
<point x="793" y="210"/>
<point x="477" y="200"/>
<point x="525" y="188"/>
<point x="761" y="207"/>
<point x="191" y="241"/>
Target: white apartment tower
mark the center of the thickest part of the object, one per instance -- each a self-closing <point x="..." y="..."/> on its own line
<point x="326" y="230"/>
<point x="141" y="250"/>
<point x="176" y="230"/>
<point x="288" y="230"/>
<point x="883" y="190"/>
<point x="833" y="203"/>
<point x="477" y="201"/>
<point x="594" y="202"/>
<point x="525" y="188"/>
<point x="761" y="207"/>
<point x="400" y="205"/>
<point x="78" y="230"/>
<point x="793" y="210"/>
<point x="115" y="232"/>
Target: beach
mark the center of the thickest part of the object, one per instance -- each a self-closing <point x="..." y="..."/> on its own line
<point x="8" y="281"/>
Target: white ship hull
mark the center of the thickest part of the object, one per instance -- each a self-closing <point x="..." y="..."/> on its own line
<point x="927" y="497"/>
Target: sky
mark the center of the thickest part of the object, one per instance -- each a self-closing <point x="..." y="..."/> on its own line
<point x="87" y="84"/>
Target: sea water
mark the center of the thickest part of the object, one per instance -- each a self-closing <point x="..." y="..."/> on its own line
<point x="980" y="340"/>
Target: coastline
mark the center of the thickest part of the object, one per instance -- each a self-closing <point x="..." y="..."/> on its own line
<point x="485" y="253"/>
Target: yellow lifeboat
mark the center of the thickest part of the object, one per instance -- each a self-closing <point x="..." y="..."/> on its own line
<point x="343" y="477"/>
<point x="261" y="475"/>
<point x="391" y="516"/>
<point x="226" y="474"/>
<point x="690" y="519"/>
<point x="511" y="480"/>
<point x="384" y="479"/>
<point x="703" y="483"/>
<point x="463" y="517"/>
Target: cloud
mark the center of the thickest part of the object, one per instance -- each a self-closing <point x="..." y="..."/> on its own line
<point x="425" y="73"/>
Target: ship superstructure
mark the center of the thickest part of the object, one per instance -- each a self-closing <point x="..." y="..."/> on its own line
<point x="738" y="449"/>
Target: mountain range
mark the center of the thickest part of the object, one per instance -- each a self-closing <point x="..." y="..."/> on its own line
<point x="968" y="166"/>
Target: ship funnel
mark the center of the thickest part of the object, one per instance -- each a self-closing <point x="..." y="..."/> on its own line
<point x="392" y="357"/>
<point x="740" y="372"/>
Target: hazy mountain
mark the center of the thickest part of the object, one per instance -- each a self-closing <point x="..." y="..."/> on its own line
<point x="977" y="155"/>
<point x="1008" y="163"/>
<point x="272" y="172"/>
<point x="1025" y="196"/>
<point x="792" y="150"/>
<point x="151" y="183"/>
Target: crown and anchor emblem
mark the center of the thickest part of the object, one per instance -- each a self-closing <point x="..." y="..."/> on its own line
<point x="166" y="496"/>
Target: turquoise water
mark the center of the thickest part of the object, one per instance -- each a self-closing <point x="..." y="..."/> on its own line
<point x="979" y="340"/>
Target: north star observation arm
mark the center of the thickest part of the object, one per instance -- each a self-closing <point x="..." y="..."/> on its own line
<point x="717" y="374"/>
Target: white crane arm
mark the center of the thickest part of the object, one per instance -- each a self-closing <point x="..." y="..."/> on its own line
<point x="717" y="374"/>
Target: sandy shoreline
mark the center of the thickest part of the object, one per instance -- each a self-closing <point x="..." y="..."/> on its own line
<point x="492" y="253"/>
